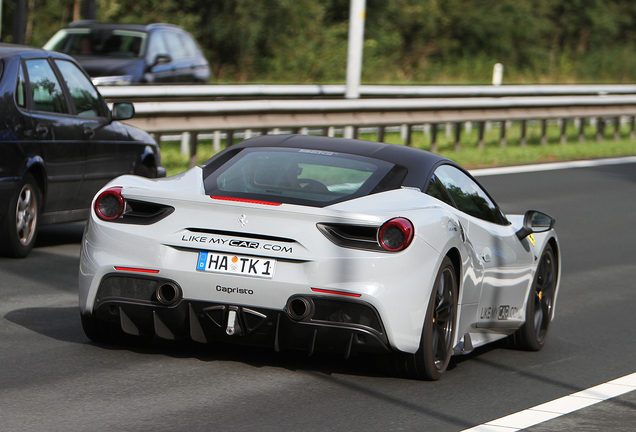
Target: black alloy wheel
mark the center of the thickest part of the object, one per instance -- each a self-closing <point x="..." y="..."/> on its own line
<point x="533" y="334"/>
<point x="436" y="344"/>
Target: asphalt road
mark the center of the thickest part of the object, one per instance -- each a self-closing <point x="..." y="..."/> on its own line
<point x="53" y="379"/>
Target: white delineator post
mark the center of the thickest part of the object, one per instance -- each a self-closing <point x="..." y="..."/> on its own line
<point x="357" y="14"/>
<point x="497" y="74"/>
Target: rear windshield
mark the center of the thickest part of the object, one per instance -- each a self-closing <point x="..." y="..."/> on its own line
<point x="99" y="42"/>
<point x="301" y="176"/>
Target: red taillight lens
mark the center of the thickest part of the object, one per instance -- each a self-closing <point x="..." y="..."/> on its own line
<point x="396" y="234"/>
<point x="109" y="205"/>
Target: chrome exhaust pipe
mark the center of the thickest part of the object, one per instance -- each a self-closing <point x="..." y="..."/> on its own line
<point x="168" y="293"/>
<point x="299" y="308"/>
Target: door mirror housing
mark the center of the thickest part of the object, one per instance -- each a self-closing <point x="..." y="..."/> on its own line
<point x="535" y="221"/>
<point x="160" y="59"/>
<point x="123" y="111"/>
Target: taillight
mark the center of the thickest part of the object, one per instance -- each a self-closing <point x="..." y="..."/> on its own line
<point x="396" y="234"/>
<point x="110" y="204"/>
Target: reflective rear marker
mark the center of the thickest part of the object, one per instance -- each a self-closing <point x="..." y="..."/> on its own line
<point x="139" y="270"/>
<point x="336" y="292"/>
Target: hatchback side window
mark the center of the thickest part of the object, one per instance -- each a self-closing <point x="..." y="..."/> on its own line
<point x="468" y="196"/>
<point x="46" y="91"/>
<point x="85" y="97"/>
<point x="20" y="90"/>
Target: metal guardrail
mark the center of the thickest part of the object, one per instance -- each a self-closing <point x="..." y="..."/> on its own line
<point x="251" y="91"/>
<point x="263" y="116"/>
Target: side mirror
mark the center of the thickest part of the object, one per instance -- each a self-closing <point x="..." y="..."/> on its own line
<point x="123" y="111"/>
<point x="161" y="59"/>
<point x="535" y="222"/>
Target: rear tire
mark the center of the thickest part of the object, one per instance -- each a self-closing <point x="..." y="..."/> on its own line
<point x="436" y="344"/>
<point x="534" y="332"/>
<point x="19" y="226"/>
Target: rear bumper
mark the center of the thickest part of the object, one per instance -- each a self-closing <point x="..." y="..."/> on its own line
<point x="329" y="325"/>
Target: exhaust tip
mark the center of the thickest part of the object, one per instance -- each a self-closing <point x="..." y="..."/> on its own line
<point x="299" y="308"/>
<point x="169" y="293"/>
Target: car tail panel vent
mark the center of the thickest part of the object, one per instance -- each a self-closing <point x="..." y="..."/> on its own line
<point x="352" y="236"/>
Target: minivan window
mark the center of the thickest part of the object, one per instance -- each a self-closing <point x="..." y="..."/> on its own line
<point x="99" y="42"/>
<point x="156" y="46"/>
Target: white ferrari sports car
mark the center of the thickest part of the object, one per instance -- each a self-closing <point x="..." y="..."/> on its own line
<point x="319" y="244"/>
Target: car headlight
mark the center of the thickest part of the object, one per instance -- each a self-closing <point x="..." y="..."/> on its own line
<point x="112" y="80"/>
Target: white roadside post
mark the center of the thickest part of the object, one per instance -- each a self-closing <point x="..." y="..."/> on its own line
<point x="354" y="54"/>
<point x="497" y="74"/>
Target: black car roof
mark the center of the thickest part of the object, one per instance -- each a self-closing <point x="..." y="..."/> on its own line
<point x="6" y="48"/>
<point x="420" y="163"/>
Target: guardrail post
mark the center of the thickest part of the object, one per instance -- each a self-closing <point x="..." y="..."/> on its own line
<point x="600" y="129"/>
<point x="264" y="131"/>
<point x="381" y="131"/>
<point x="458" y="129"/>
<point x="356" y="132"/>
<point x="564" y="125"/>
<point x="433" y="137"/>
<point x="157" y="137"/>
<point x="502" y="141"/>
<point x="617" y="128"/>
<point x="331" y="131"/>
<point x="480" y="135"/>
<point x="295" y="131"/>
<point x="544" y="132"/>
<point x="185" y="142"/>
<point x="581" y="129"/>
<point x="216" y="141"/>
<point x="408" y="131"/>
<point x="632" y="132"/>
<point x="522" y="142"/>
<point x="229" y="138"/>
<point x="193" y="149"/>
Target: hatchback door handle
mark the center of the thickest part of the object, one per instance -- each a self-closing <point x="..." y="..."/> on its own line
<point x="41" y="129"/>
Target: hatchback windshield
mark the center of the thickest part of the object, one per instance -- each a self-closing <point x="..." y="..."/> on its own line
<point x="300" y="176"/>
<point x="102" y="42"/>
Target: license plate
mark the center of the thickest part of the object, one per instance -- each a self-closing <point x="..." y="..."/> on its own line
<point x="236" y="264"/>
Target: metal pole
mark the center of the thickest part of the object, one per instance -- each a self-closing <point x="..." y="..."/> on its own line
<point x="19" y="22"/>
<point x="88" y="10"/>
<point x="354" y="54"/>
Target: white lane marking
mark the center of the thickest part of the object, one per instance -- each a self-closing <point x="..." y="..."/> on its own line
<point x="558" y="407"/>
<point x="551" y="166"/>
